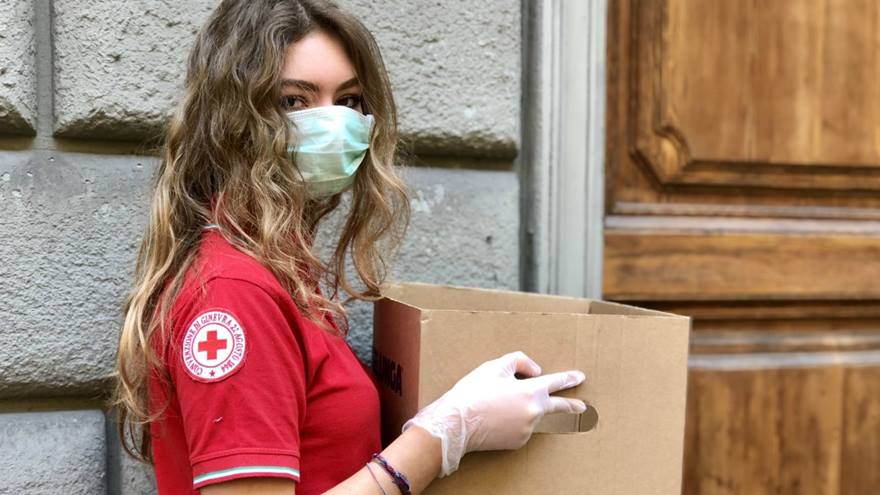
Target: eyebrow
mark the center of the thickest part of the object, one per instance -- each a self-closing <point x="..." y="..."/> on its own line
<point x="311" y="87"/>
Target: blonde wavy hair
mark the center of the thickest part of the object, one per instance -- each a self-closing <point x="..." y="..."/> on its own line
<point x="225" y="161"/>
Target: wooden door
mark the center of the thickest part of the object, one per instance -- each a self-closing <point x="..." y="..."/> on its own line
<point x="743" y="189"/>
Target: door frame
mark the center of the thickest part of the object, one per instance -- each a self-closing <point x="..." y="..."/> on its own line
<point x="562" y="160"/>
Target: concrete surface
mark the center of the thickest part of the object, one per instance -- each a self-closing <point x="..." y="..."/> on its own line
<point x="18" y="105"/>
<point x="71" y="227"/>
<point x="69" y="230"/>
<point x="454" y="65"/>
<point x="43" y="453"/>
<point x="463" y="231"/>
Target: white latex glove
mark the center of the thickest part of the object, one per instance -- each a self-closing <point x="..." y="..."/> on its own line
<point x="490" y="409"/>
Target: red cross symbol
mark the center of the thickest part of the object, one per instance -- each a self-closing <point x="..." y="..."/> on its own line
<point x="212" y="344"/>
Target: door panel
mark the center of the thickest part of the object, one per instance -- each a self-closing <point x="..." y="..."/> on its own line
<point x="743" y="189"/>
<point x="753" y="417"/>
<point x="861" y="422"/>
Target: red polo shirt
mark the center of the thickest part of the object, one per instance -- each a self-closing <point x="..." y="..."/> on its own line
<point x="256" y="388"/>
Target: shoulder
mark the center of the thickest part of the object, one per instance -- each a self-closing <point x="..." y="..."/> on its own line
<point x="228" y="307"/>
<point x="218" y="259"/>
<point x="221" y="276"/>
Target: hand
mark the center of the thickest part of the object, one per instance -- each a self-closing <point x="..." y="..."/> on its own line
<point x="490" y="409"/>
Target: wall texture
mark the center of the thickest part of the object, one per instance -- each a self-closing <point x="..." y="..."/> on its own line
<point x="83" y="83"/>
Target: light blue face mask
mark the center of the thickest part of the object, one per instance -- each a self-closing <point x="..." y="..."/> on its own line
<point x="328" y="145"/>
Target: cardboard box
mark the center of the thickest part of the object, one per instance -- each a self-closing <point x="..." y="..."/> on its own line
<point x="630" y="441"/>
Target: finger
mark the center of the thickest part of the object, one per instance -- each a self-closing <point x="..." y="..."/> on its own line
<point x="565" y="405"/>
<point x="518" y="363"/>
<point x="555" y="382"/>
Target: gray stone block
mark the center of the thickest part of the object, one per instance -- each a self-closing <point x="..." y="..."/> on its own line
<point x="69" y="231"/>
<point x="71" y="227"/>
<point x="464" y="228"/>
<point x="464" y="231"/>
<point x="18" y="100"/>
<point x="119" y="66"/>
<point x="136" y="478"/>
<point x="52" y="452"/>
<point x="455" y="67"/>
<point x="127" y="476"/>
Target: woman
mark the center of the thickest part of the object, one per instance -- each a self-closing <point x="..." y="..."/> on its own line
<point x="230" y="358"/>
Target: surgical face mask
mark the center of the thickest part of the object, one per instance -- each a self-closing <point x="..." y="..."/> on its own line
<point x="328" y="145"/>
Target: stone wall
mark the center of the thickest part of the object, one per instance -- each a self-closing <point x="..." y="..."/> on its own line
<point x="84" y="83"/>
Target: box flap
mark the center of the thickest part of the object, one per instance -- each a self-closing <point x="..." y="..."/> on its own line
<point x="396" y="347"/>
<point x="431" y="297"/>
<point x="447" y="297"/>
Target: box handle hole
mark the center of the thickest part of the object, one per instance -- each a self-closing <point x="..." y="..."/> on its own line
<point x="588" y="419"/>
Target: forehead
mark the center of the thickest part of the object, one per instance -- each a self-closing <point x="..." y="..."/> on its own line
<point x="318" y="58"/>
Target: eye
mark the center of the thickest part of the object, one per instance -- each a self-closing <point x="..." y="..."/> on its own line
<point x="291" y="103"/>
<point x="354" y="102"/>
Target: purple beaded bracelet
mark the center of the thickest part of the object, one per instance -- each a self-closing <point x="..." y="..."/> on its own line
<point x="396" y="476"/>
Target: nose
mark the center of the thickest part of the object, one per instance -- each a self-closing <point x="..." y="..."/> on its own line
<point x="324" y="100"/>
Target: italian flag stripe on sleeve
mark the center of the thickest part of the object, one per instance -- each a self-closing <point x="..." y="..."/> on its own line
<point x="249" y="470"/>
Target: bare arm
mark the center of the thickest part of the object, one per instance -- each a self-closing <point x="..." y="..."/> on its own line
<point x="415" y="453"/>
<point x="251" y="486"/>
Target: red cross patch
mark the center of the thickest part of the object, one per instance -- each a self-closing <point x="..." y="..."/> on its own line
<point x="213" y="347"/>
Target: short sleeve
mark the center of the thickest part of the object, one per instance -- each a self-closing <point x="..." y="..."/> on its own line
<point x="239" y="377"/>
